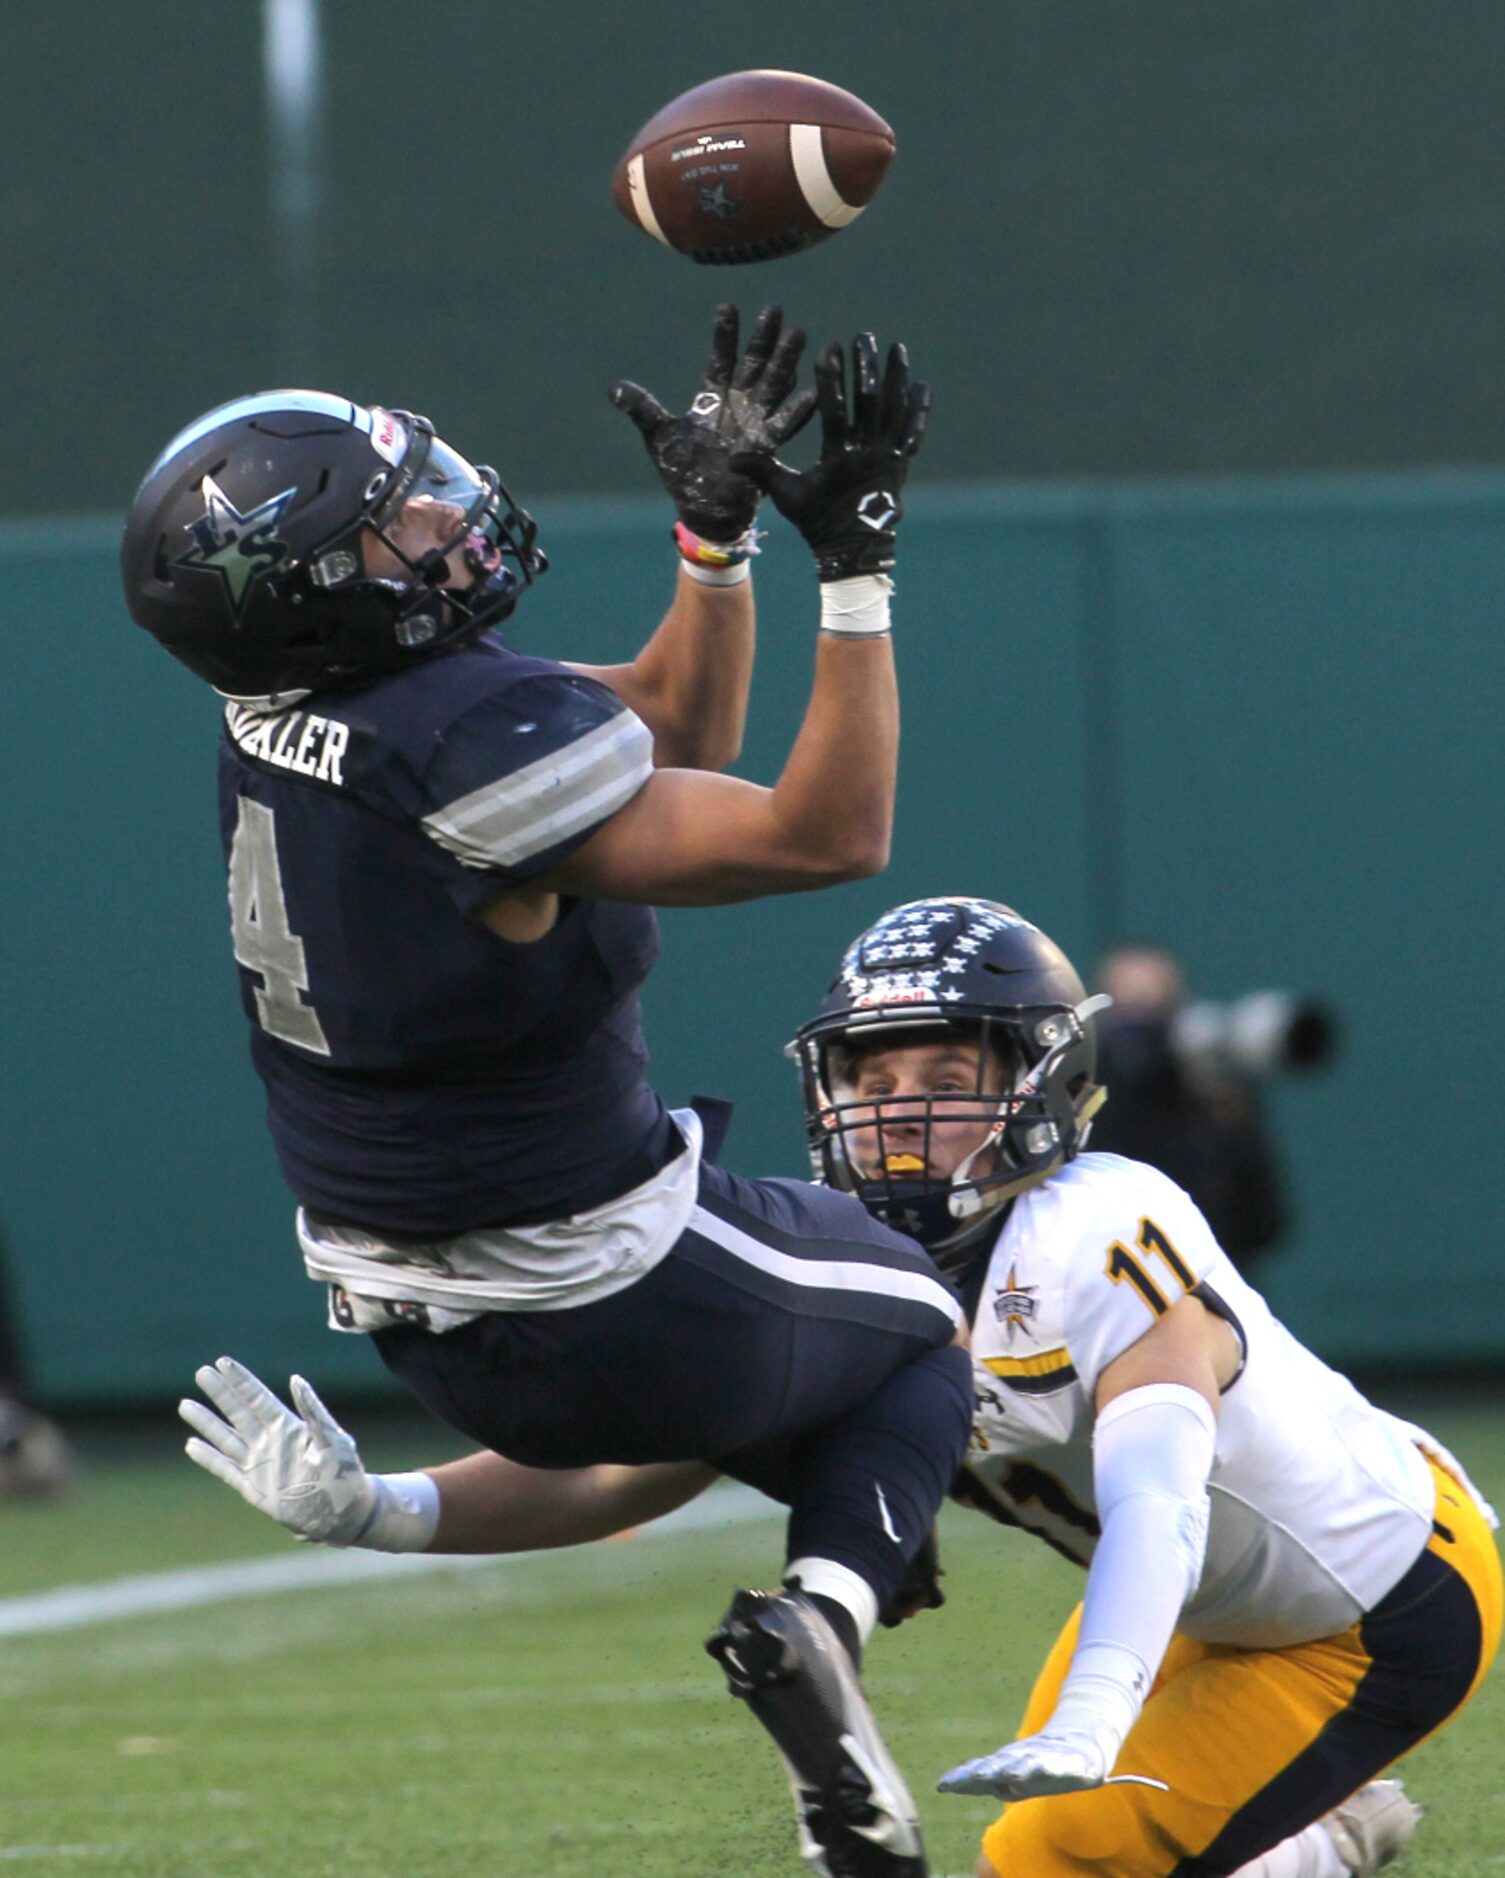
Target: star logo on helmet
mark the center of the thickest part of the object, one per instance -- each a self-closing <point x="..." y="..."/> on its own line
<point x="241" y="549"/>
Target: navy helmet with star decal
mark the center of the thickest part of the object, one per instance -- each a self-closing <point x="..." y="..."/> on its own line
<point x="245" y="549"/>
<point x="929" y="972"/>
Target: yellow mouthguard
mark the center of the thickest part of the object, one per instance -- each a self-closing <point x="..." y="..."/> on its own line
<point x="903" y="1164"/>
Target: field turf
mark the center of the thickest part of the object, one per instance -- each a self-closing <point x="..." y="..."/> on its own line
<point x="547" y="1715"/>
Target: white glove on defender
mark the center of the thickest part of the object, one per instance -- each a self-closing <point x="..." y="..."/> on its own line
<point x="1051" y="1762"/>
<point x="306" y="1472"/>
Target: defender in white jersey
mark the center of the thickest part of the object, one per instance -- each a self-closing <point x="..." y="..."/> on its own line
<point x="1318" y="1501"/>
<point x="1287" y="1587"/>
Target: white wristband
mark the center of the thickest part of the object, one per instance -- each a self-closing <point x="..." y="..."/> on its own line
<point x="856" y="608"/>
<point x="405" y="1516"/>
<point x="718" y="576"/>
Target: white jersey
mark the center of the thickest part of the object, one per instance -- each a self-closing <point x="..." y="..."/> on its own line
<point x="1320" y="1501"/>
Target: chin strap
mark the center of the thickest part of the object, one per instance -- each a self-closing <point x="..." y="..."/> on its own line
<point x="968" y="1205"/>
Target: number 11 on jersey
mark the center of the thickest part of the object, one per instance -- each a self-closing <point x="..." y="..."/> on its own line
<point x="1122" y="1264"/>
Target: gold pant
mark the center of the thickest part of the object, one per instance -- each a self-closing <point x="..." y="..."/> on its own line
<point x="1255" y="1744"/>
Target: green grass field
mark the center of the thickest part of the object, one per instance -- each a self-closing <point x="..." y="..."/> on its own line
<point x="547" y="1715"/>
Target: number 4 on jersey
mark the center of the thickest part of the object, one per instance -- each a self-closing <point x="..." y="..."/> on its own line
<point x="263" y="943"/>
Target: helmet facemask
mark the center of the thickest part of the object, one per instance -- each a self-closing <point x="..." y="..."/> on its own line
<point x="419" y="605"/>
<point x="936" y="1163"/>
<point x="933" y="987"/>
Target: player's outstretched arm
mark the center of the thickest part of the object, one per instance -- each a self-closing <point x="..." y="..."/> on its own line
<point x="697" y="840"/>
<point x="690" y="682"/>
<point x="1152" y="1454"/>
<point x="490" y="1504"/>
<point x="304" y="1471"/>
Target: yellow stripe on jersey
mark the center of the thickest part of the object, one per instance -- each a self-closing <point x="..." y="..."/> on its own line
<point x="1046" y="1364"/>
<point x="1034" y="1375"/>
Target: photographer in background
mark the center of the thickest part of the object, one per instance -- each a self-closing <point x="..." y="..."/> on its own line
<point x="1184" y="1082"/>
<point x="35" y="1462"/>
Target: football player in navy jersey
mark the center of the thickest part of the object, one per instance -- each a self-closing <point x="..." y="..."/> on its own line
<point x="441" y="857"/>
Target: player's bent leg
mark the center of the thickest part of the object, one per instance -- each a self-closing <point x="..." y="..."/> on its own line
<point x="1355" y="1840"/>
<point x="865" y="1490"/>
<point x="1256" y="1747"/>
<point x="1425" y="1647"/>
<point x="1220" y="1727"/>
<point x="781" y="1657"/>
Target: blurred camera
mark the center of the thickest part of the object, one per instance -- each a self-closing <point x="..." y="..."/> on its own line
<point x="1256" y="1036"/>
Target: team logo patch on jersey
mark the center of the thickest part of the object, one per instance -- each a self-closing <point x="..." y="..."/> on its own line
<point x="1015" y="1305"/>
<point x="241" y="549"/>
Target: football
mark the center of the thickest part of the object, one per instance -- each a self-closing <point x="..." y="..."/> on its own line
<point x="753" y="166"/>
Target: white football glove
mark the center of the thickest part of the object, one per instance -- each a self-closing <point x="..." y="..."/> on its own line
<point x="304" y="1473"/>
<point x="1027" y="1769"/>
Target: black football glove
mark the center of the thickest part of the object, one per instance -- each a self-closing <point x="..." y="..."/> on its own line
<point x="848" y="505"/>
<point x="746" y="407"/>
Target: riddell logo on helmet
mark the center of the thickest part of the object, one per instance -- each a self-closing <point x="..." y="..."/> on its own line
<point x="387" y="436"/>
<point x="895" y="994"/>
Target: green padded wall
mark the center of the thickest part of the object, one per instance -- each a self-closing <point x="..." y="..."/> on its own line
<point x="1258" y="719"/>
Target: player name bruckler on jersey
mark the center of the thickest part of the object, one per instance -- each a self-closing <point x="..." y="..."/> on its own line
<point x="295" y="740"/>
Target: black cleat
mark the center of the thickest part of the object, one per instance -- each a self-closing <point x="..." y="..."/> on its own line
<point x="781" y="1657"/>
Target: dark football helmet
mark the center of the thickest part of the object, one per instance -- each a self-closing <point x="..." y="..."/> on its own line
<point x="926" y="973"/>
<point x="245" y="548"/>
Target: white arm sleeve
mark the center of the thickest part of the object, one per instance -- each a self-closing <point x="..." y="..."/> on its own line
<point x="1152" y="1454"/>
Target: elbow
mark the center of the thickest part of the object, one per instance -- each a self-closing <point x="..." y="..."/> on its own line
<point x="696" y="750"/>
<point x="718" y="753"/>
<point x="860" y="859"/>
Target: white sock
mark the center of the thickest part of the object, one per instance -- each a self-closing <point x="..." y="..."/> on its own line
<point x="823" y="1577"/>
<point x="1309" y="1854"/>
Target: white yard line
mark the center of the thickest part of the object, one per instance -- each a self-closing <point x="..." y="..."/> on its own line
<point x="308" y="1568"/>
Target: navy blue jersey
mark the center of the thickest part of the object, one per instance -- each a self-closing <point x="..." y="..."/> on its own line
<point x="423" y="1075"/>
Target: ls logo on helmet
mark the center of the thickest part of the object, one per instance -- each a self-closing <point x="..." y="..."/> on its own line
<point x="241" y="549"/>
